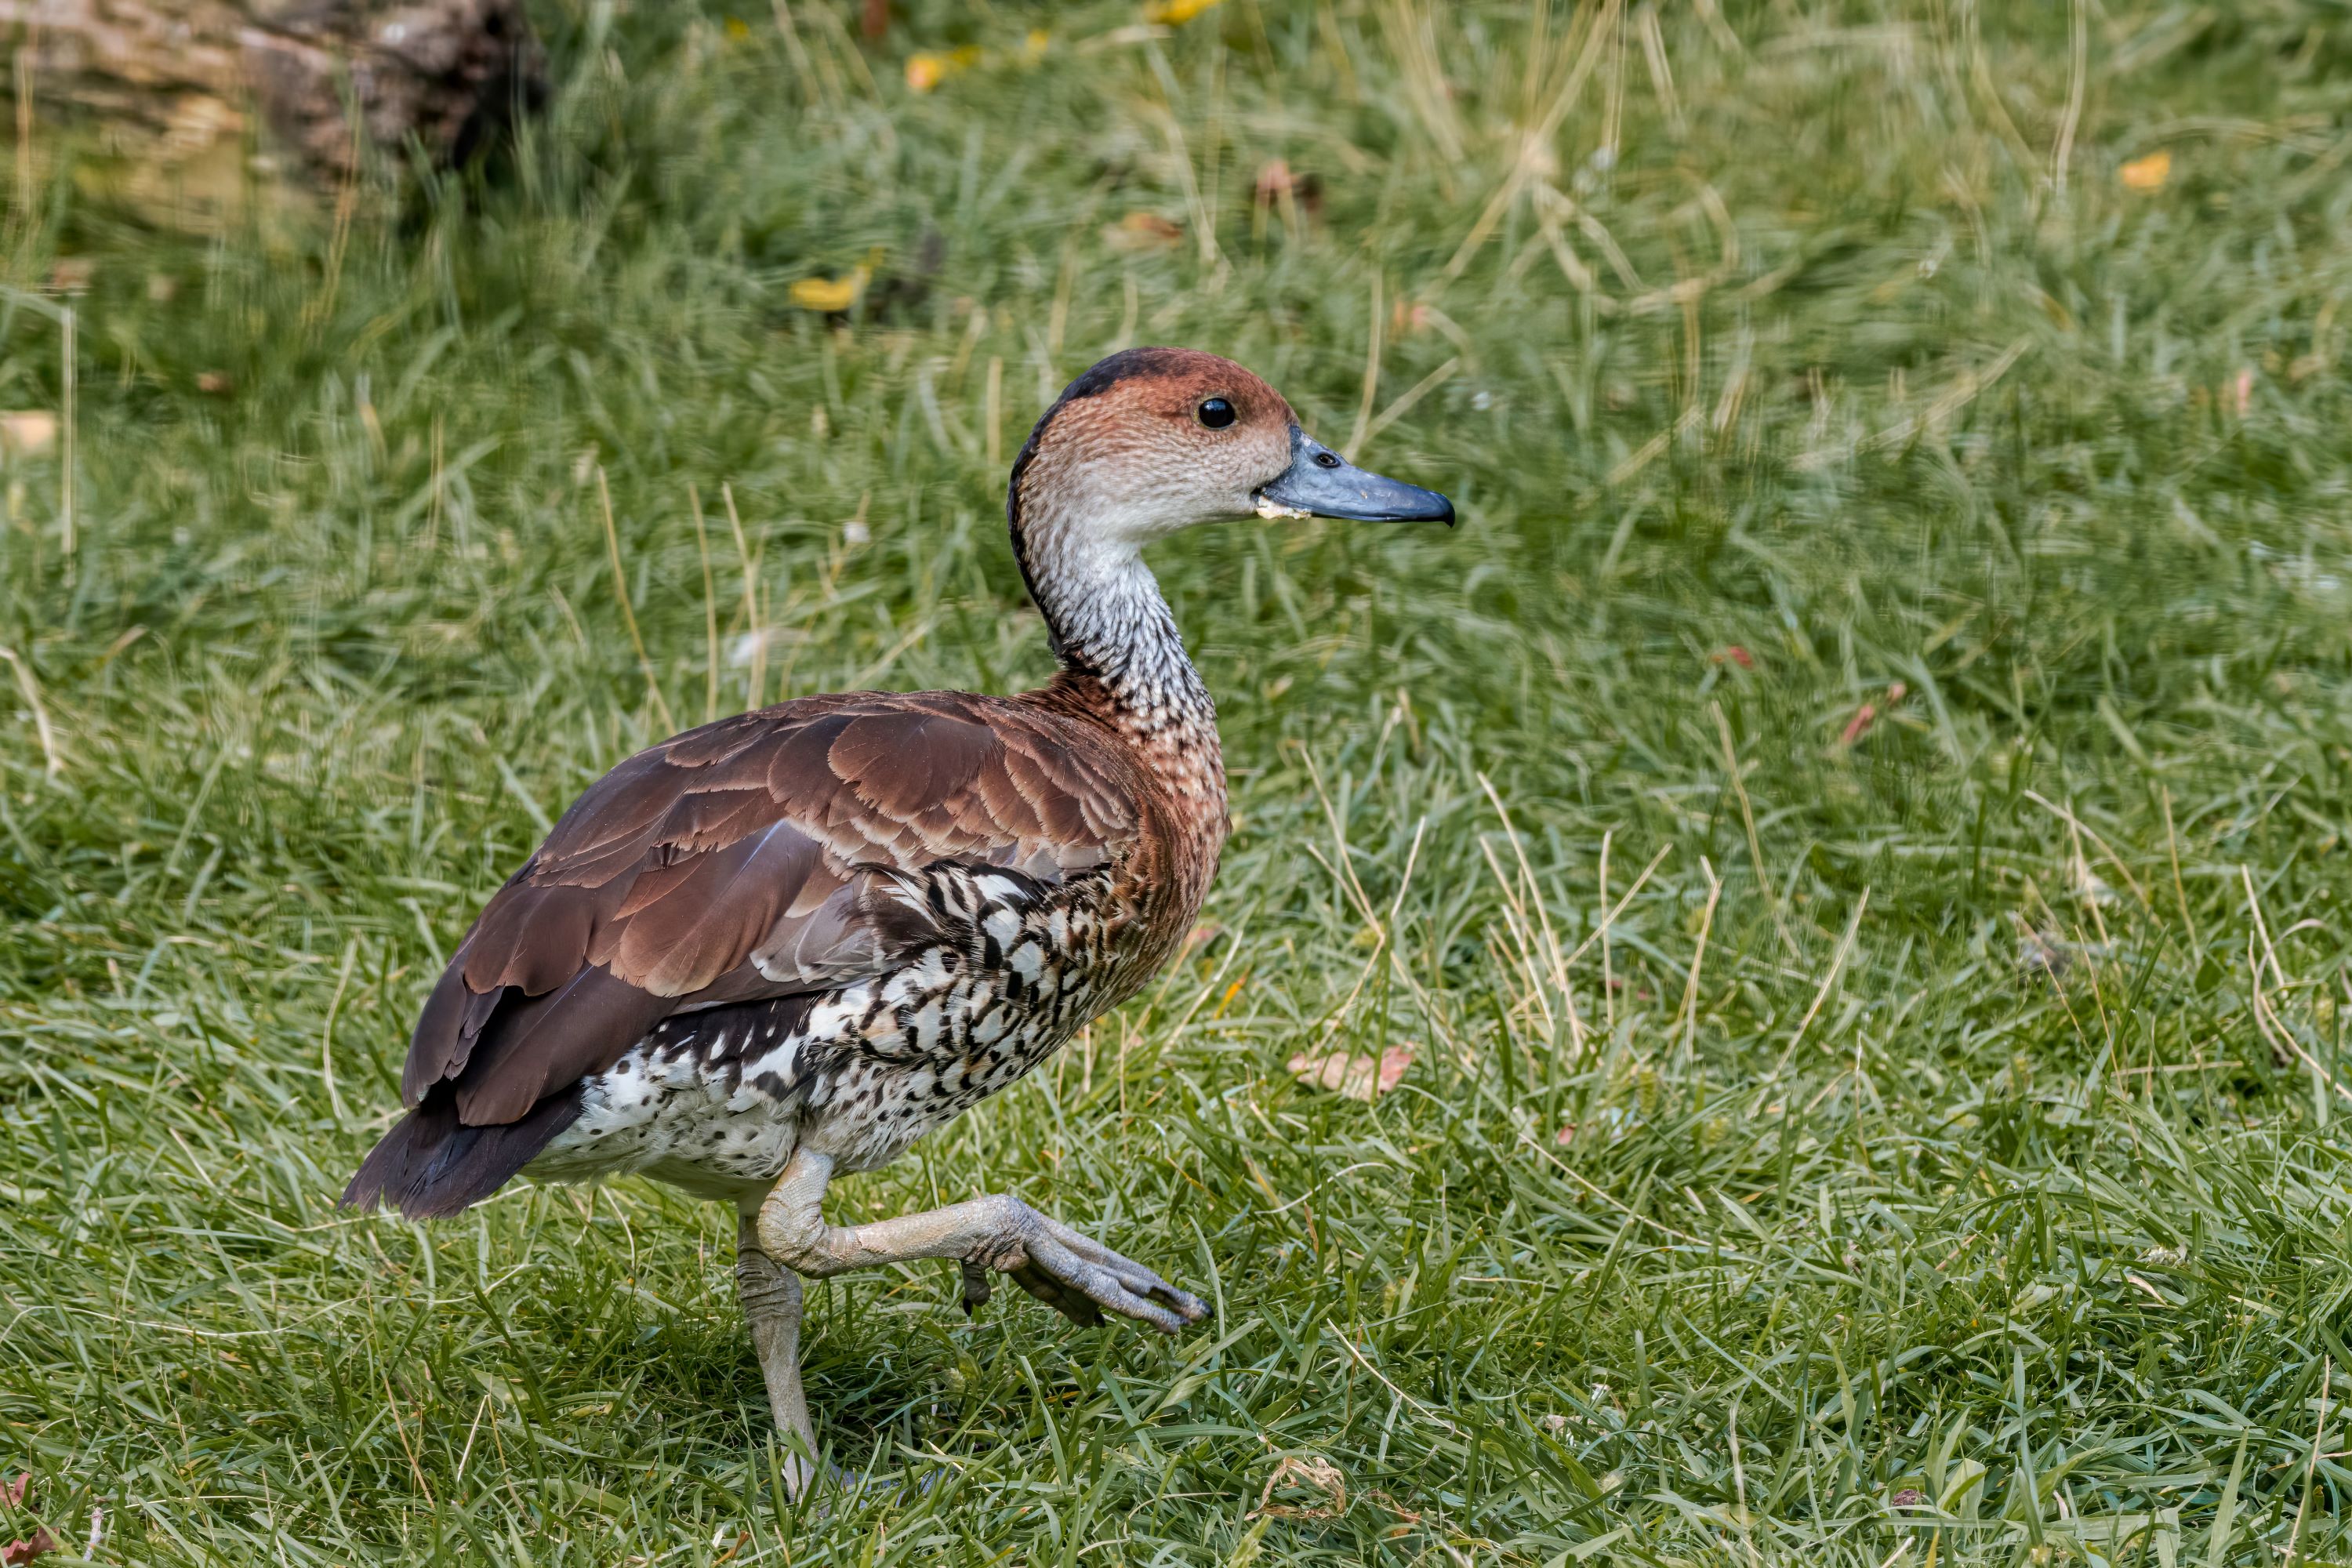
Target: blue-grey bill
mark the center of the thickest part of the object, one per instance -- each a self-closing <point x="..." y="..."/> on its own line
<point x="1322" y="483"/>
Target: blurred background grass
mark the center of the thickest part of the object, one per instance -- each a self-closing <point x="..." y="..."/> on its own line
<point x="1903" y="452"/>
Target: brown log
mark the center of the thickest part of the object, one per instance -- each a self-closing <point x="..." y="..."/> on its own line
<point x="172" y="81"/>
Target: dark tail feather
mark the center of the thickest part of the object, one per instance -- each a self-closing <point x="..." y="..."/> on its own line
<point x="430" y="1166"/>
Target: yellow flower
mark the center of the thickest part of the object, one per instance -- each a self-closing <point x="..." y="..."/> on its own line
<point x="738" y="29"/>
<point x="831" y="295"/>
<point x="1171" y="13"/>
<point x="2148" y="173"/>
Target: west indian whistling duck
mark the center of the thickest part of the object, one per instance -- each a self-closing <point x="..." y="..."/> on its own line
<point x="783" y="947"/>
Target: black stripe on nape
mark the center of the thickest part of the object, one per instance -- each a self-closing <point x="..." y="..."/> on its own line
<point x="1013" y="524"/>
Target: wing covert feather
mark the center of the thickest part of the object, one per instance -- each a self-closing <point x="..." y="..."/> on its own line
<point x="733" y="861"/>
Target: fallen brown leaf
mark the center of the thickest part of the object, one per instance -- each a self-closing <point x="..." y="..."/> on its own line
<point x="831" y="296"/>
<point x="926" y="70"/>
<point x="1277" y="183"/>
<point x="1407" y="317"/>
<point x="1868" y="715"/>
<point x="41" y="1543"/>
<point x="1309" y="1470"/>
<point x="1142" y="231"/>
<point x="2146" y="174"/>
<point x="27" y="432"/>
<point x="1357" y="1077"/>
<point x="2241" y="394"/>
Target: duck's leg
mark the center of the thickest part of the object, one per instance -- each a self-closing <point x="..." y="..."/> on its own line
<point x="770" y="1294"/>
<point x="1069" y="1272"/>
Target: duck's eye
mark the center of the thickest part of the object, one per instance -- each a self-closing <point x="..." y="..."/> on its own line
<point x="1215" y="413"/>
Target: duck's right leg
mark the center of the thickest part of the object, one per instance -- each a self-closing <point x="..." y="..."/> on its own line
<point x="770" y="1294"/>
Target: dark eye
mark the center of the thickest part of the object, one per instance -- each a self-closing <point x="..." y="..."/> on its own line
<point x="1216" y="414"/>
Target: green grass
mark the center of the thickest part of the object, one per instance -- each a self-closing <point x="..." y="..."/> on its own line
<point x="1960" y="1111"/>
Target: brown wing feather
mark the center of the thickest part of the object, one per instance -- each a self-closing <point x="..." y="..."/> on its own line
<point x="747" y="837"/>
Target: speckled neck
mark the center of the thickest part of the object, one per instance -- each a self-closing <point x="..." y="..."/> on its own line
<point x="1124" y="667"/>
<point x="1111" y="629"/>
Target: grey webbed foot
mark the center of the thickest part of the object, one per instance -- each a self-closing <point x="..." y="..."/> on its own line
<point x="1075" y="1275"/>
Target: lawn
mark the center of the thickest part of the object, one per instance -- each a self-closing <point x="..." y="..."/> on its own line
<point x="1852" y="829"/>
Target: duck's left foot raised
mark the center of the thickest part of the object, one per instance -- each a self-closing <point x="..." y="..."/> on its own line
<point x="1074" y="1274"/>
<point x="1097" y="1266"/>
<point x="1078" y="1277"/>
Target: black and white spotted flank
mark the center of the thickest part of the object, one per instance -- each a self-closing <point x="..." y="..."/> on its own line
<point x="992" y="971"/>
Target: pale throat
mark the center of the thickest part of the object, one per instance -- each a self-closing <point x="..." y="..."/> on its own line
<point x="1108" y="620"/>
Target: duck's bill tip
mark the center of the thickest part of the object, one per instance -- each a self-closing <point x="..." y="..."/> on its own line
<point x="1321" y="483"/>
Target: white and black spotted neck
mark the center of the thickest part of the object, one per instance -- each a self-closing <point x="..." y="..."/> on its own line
<point x="1109" y="624"/>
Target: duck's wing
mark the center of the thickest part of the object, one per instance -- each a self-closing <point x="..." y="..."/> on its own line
<point x="741" y="860"/>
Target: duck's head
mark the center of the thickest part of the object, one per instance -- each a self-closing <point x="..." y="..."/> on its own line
<point x="1152" y="440"/>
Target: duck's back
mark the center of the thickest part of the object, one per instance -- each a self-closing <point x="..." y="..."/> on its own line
<point x="856" y="913"/>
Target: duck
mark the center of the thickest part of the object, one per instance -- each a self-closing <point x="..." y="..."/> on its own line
<point x="783" y="947"/>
